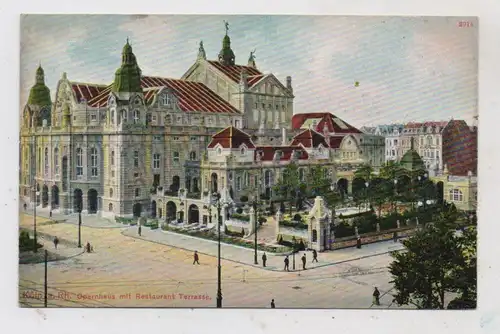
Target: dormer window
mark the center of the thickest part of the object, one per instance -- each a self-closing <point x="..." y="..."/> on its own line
<point x="165" y="100"/>
<point x="242" y="151"/>
<point x="219" y="151"/>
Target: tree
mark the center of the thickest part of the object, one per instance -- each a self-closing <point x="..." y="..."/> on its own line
<point x="289" y="183"/>
<point x="318" y="181"/>
<point x="391" y="170"/>
<point x="380" y="191"/>
<point x="437" y="260"/>
<point x="365" y="172"/>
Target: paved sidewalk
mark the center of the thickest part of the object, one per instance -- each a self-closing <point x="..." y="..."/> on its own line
<point x="64" y="251"/>
<point x="92" y="221"/>
<point x="246" y="255"/>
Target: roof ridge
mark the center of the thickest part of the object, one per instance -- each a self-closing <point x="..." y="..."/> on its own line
<point x="89" y="84"/>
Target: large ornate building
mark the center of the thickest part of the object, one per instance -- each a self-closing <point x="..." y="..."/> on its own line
<point x="149" y="144"/>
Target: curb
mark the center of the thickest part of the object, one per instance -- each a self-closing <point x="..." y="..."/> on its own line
<point x="256" y="266"/>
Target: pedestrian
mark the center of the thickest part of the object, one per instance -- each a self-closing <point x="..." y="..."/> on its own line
<point x="376" y="297"/>
<point x="56" y="242"/>
<point x="304" y="261"/>
<point x="25" y="206"/>
<point x="264" y="259"/>
<point x="395" y="236"/>
<point x="88" y="247"/>
<point x="272" y="304"/>
<point x="139" y="229"/>
<point x="50" y="213"/>
<point x="315" y="256"/>
<point x="358" y="242"/>
<point x="287" y="262"/>
<point x="196" y="258"/>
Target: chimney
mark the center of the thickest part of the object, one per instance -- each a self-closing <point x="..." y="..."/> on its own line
<point x="283" y="137"/>
<point x="289" y="83"/>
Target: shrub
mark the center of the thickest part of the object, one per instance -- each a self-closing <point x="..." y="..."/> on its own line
<point x="241" y="217"/>
<point x="298" y="225"/>
<point x="366" y="224"/>
<point x="244" y="199"/>
<point x="239" y="211"/>
<point x="297" y="217"/>
<point x="343" y="230"/>
<point x="262" y="220"/>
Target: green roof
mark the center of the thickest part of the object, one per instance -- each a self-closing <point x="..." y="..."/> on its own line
<point x="128" y="76"/>
<point x="411" y="160"/>
<point x="40" y="93"/>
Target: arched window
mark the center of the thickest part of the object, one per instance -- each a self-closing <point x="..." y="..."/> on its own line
<point x="242" y="151"/>
<point x="112" y="158"/>
<point x="93" y="162"/>
<point x="79" y="162"/>
<point x="46" y="161"/>
<point x="110" y="192"/>
<point x="456" y="195"/>
<point x="110" y="207"/>
<point x="219" y="151"/>
<point x="136" y="116"/>
<point x="124" y="115"/>
<point x="238" y="183"/>
<point x="192" y="156"/>
<point x="56" y="161"/>
<point x="113" y="116"/>
<point x="246" y="180"/>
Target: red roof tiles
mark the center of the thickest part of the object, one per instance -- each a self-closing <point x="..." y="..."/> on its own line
<point x="231" y="137"/>
<point x="327" y="121"/>
<point x="310" y="139"/>
<point x="192" y="96"/>
<point x="335" y="141"/>
<point x="234" y="71"/>
<point x="267" y="153"/>
<point x="86" y="91"/>
<point x="459" y="148"/>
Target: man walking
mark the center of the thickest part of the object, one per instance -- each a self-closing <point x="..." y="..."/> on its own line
<point x="315" y="256"/>
<point x="50" y="213"/>
<point x="395" y="236"/>
<point x="358" y="242"/>
<point x="376" y="297"/>
<point x="264" y="259"/>
<point x="196" y="258"/>
<point x="139" y="230"/>
<point x="304" y="261"/>
<point x="56" y="242"/>
<point x="272" y="304"/>
<point x="287" y="261"/>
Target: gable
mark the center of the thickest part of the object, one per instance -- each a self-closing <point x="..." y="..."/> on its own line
<point x="275" y="87"/>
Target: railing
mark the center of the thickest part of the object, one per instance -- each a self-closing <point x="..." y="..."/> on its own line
<point x="194" y="195"/>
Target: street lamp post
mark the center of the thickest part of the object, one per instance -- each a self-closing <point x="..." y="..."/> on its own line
<point x="293" y="252"/>
<point x="255" y="260"/>
<point x="395" y="193"/>
<point x="219" y="287"/>
<point x="35" y="192"/>
<point x="367" y="194"/>
<point x="79" y="228"/>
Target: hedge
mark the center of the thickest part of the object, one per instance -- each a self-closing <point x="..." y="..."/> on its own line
<point x="299" y="225"/>
<point x="241" y="217"/>
<point x="228" y="240"/>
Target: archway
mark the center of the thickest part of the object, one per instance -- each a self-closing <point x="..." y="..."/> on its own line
<point x="193" y="214"/>
<point x="171" y="210"/>
<point x="358" y="186"/>
<point x="214" y="183"/>
<point x="176" y="182"/>
<point x="45" y="196"/>
<point x="55" y="197"/>
<point x="137" y="209"/>
<point x="110" y="207"/>
<point x="343" y="185"/>
<point x="92" y="201"/>
<point x="440" y="192"/>
<point x="77" y="200"/>
<point x="153" y="209"/>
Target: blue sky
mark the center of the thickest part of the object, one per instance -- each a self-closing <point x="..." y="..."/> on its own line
<point x="408" y="68"/>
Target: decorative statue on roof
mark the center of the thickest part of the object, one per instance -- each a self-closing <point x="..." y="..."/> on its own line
<point x="201" y="52"/>
<point x="251" y="59"/>
<point x="226" y="24"/>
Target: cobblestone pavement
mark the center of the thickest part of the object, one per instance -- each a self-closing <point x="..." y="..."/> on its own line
<point x="130" y="272"/>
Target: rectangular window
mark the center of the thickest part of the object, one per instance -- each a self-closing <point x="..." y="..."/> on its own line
<point x="136" y="159"/>
<point x="156" y="161"/>
<point x="193" y="138"/>
<point x="79" y="162"/>
<point x="176" y="156"/>
<point x="263" y="106"/>
<point x="154" y="118"/>
<point x="156" y="180"/>
<point x="157" y="138"/>
<point x="236" y="123"/>
<point x="112" y="173"/>
<point x="93" y="117"/>
<point x="238" y="183"/>
<point x="176" y="138"/>
<point x="93" y="162"/>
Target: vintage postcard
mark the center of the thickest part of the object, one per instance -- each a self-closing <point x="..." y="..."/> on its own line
<point x="248" y="161"/>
